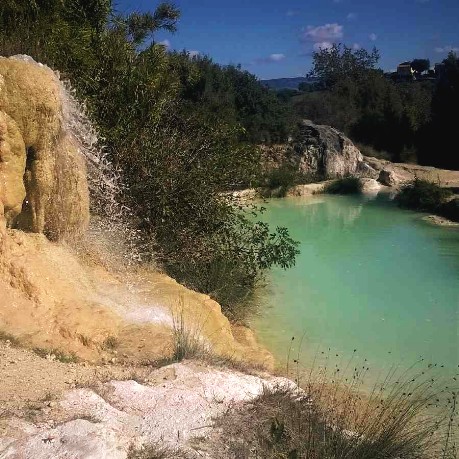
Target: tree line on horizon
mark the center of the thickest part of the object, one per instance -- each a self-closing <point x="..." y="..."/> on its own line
<point x="399" y="121"/>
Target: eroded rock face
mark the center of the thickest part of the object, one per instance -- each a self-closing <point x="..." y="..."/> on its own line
<point x="326" y="151"/>
<point x="322" y="152"/>
<point x="388" y="178"/>
<point x="43" y="186"/>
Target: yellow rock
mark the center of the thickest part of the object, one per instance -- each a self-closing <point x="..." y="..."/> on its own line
<point x="43" y="185"/>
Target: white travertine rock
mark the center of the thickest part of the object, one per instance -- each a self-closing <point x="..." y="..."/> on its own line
<point x="126" y="413"/>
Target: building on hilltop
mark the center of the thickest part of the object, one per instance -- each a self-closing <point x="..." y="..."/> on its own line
<point x="405" y="72"/>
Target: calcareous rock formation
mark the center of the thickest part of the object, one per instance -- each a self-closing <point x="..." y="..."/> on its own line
<point x="326" y="151"/>
<point x="43" y="186"/>
<point x="177" y="406"/>
<point x="320" y="151"/>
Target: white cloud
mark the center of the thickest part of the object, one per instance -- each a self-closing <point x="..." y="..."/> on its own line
<point x="291" y="13"/>
<point x="327" y="32"/>
<point x="356" y="46"/>
<point x="322" y="46"/>
<point x="373" y="37"/>
<point x="351" y="16"/>
<point x="447" y="49"/>
<point x="276" y="57"/>
<point x="193" y="53"/>
<point x="166" y="43"/>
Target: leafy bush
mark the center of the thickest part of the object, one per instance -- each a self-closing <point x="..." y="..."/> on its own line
<point x="423" y="195"/>
<point x="347" y="185"/>
<point x="177" y="128"/>
<point x="450" y="210"/>
<point x="277" y="181"/>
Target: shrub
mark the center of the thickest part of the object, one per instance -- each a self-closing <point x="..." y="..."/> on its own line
<point x="347" y="185"/>
<point x="450" y="210"/>
<point x="283" y="176"/>
<point x="110" y="343"/>
<point x="187" y="339"/>
<point x="177" y="129"/>
<point x="423" y="195"/>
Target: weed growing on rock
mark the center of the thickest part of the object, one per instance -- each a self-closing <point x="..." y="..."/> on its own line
<point x="110" y="343"/>
<point x="85" y="340"/>
<point x="55" y="354"/>
<point x="9" y="338"/>
<point x="187" y="339"/>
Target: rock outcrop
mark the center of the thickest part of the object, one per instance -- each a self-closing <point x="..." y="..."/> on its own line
<point x="66" y="299"/>
<point x="323" y="153"/>
<point x="388" y="178"/>
<point x="320" y="151"/>
<point x="43" y="186"/>
<point x="326" y="151"/>
<point x="397" y="174"/>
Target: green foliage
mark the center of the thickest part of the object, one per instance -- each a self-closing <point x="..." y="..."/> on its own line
<point x="438" y="138"/>
<point x="423" y="195"/>
<point x="346" y="185"/>
<point x="180" y="129"/>
<point x="367" y="106"/>
<point x="278" y="180"/>
<point x="233" y="96"/>
<point x="339" y="62"/>
<point x="420" y="65"/>
<point x="140" y="26"/>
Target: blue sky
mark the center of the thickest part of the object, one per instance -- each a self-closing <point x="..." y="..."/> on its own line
<point x="275" y="38"/>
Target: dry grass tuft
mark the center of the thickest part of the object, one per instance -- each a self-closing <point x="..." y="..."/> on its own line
<point x="408" y="415"/>
<point x="8" y="337"/>
<point x="155" y="451"/>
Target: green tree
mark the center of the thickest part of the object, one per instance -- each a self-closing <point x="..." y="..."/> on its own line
<point x="420" y="65"/>
<point x="438" y="140"/>
<point x="339" y="62"/>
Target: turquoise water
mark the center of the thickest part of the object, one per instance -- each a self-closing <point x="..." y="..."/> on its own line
<point x="370" y="277"/>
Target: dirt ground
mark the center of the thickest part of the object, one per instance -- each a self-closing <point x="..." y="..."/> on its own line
<point x="29" y="383"/>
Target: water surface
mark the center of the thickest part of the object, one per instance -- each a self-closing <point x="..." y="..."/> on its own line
<point x="370" y="277"/>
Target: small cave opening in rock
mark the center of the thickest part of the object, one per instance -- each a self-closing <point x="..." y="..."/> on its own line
<point x="24" y="220"/>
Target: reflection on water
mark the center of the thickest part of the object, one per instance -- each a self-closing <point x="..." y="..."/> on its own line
<point x="369" y="277"/>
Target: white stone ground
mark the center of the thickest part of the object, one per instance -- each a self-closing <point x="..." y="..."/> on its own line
<point x="182" y="404"/>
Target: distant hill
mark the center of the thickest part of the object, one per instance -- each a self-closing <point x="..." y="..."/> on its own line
<point x="286" y="83"/>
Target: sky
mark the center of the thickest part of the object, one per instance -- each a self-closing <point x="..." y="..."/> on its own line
<point x="275" y="38"/>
